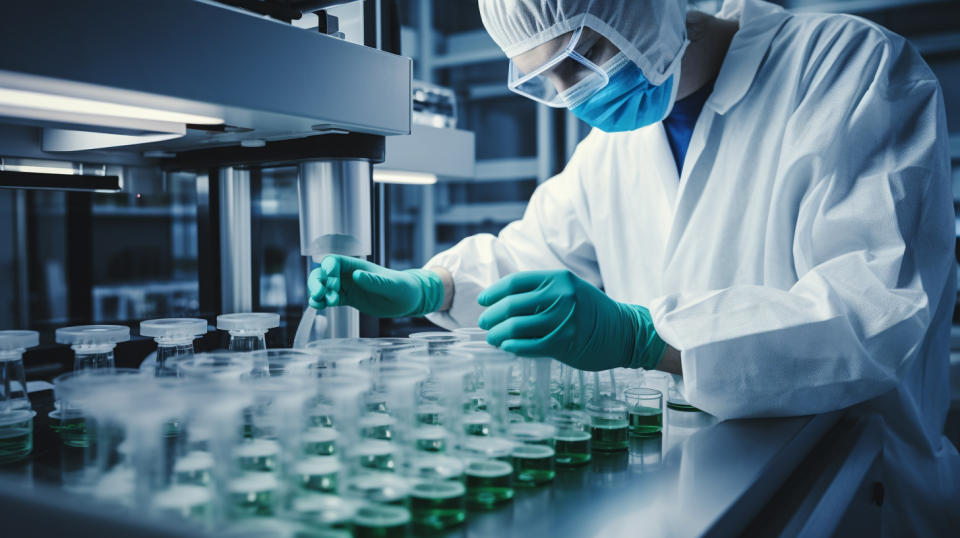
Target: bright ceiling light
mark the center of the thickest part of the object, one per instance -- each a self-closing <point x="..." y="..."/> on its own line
<point x="403" y="178"/>
<point x="74" y="105"/>
<point x="37" y="169"/>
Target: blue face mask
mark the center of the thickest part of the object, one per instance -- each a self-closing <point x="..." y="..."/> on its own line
<point x="629" y="101"/>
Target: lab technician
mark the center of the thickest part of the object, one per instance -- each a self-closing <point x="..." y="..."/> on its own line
<point x="764" y="205"/>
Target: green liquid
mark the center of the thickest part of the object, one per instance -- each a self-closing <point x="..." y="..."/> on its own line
<point x="609" y="435"/>
<point x="489" y="483"/>
<point x="319" y="473"/>
<point x="381" y="522"/>
<point x="71" y="428"/>
<point x="646" y="421"/>
<point x="258" y="455"/>
<point x="16" y="441"/>
<point x="533" y="465"/>
<point x="438" y="505"/>
<point x="677" y="406"/>
<point x="319" y="441"/>
<point x="476" y="424"/>
<point x="193" y="468"/>
<point x="377" y="426"/>
<point x="573" y="449"/>
<point x="253" y="494"/>
<point x="429" y="415"/>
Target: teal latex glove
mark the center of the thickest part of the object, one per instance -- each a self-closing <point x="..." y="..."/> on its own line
<point x="557" y="314"/>
<point x="372" y="289"/>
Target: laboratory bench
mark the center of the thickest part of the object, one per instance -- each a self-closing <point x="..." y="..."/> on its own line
<point x="699" y="477"/>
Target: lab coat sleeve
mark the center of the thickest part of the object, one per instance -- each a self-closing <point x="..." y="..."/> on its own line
<point x="553" y="234"/>
<point x="872" y="249"/>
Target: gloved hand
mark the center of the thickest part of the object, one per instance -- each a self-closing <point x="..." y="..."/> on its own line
<point x="557" y="314"/>
<point x="372" y="289"/>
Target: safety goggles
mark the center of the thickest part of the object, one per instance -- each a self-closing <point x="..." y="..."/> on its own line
<point x="566" y="80"/>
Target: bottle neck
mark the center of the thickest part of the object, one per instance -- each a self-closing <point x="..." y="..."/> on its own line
<point x="174" y="341"/>
<point x="13" y="385"/>
<point x="93" y="356"/>
<point x="168" y="354"/>
<point x="247" y="341"/>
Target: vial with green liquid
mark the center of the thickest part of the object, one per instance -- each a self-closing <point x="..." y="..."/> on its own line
<point x="573" y="438"/>
<point x="438" y="504"/>
<point x="489" y="483"/>
<point x="437" y="493"/>
<point x="608" y="425"/>
<point x="16" y="434"/>
<point x="70" y="426"/>
<point x="533" y="465"/>
<point x="489" y="471"/>
<point x="646" y="411"/>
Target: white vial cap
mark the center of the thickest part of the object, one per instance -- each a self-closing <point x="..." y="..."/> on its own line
<point x="172" y="327"/>
<point x="93" y="334"/>
<point x="254" y="321"/>
<point x="11" y="340"/>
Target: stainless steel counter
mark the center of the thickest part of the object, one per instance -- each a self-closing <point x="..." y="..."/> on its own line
<point x="699" y="477"/>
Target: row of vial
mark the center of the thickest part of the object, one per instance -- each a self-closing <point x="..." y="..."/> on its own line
<point x="353" y="435"/>
<point x="93" y="347"/>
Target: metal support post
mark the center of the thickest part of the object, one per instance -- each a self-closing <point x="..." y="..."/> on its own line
<point x="236" y="262"/>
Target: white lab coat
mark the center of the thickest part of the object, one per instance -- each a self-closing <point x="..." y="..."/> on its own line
<point x="803" y="260"/>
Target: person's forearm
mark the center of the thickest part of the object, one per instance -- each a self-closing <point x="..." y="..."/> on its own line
<point x="670" y="362"/>
<point x="447" y="280"/>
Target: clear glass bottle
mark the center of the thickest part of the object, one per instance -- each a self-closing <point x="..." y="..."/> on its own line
<point x="13" y="381"/>
<point x="174" y="337"/>
<point x="248" y="331"/>
<point x="16" y="415"/>
<point x="93" y="345"/>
